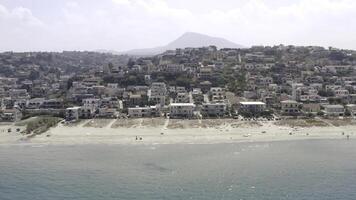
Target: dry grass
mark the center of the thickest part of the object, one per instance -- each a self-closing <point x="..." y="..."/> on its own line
<point x="98" y="123"/>
<point x="215" y="123"/>
<point x="246" y="124"/>
<point x="153" y="122"/>
<point x="210" y="123"/>
<point x="341" y="122"/>
<point x="23" y="122"/>
<point x="301" y="123"/>
<point x="175" y="124"/>
<point x="183" y="124"/>
<point x="127" y="123"/>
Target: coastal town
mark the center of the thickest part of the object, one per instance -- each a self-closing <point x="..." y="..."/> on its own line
<point x="183" y="83"/>
<point x="258" y="83"/>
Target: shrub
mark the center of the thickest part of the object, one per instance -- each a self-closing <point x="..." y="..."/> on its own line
<point x="42" y="124"/>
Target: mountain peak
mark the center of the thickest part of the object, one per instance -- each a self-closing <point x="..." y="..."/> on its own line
<point x="187" y="34"/>
<point x="192" y="39"/>
<point x="188" y="39"/>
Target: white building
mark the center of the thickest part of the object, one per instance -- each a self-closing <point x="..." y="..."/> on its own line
<point x="10" y="114"/>
<point x="90" y="106"/>
<point x="181" y="110"/>
<point x="334" y="110"/>
<point x="351" y="108"/>
<point x="73" y="113"/>
<point x="290" y="107"/>
<point x="151" y="111"/>
<point x="252" y="107"/>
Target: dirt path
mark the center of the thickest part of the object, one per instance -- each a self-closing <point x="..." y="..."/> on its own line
<point x="165" y="126"/>
<point x="110" y="124"/>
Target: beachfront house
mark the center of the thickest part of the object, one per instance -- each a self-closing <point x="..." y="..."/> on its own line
<point x="251" y="107"/>
<point x="213" y="109"/>
<point x="311" y="108"/>
<point x="10" y="115"/>
<point x="106" y="112"/>
<point x="351" y="108"/>
<point x="181" y="110"/>
<point x="334" y="110"/>
<point x="73" y="113"/>
<point x="89" y="108"/>
<point x="290" y="107"/>
<point x="151" y="111"/>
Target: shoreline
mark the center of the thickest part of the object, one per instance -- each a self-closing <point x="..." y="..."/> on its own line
<point x="161" y="131"/>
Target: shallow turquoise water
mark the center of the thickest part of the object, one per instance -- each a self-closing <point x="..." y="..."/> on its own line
<point x="314" y="169"/>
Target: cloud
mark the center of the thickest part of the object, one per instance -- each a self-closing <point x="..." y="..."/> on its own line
<point x="19" y="29"/>
<point x="126" y="24"/>
<point x="307" y="22"/>
<point x="122" y="2"/>
<point x="72" y="4"/>
<point x="304" y="22"/>
<point x="19" y="16"/>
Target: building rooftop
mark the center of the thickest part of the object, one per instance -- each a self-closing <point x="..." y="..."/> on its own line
<point x="182" y="104"/>
<point x="289" y="101"/>
<point x="333" y="106"/>
<point x="252" y="103"/>
<point x="74" y="108"/>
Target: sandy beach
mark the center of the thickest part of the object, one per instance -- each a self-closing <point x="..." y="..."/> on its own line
<point x="173" y="131"/>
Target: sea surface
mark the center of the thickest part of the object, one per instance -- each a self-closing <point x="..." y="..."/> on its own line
<point x="303" y="170"/>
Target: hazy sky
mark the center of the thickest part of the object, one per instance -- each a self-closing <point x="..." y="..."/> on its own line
<point x="56" y="25"/>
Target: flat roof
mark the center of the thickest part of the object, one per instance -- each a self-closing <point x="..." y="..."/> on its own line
<point x="289" y="101"/>
<point x="351" y="105"/>
<point x="333" y="106"/>
<point x="252" y="103"/>
<point x="182" y="104"/>
<point x="140" y="108"/>
<point x="73" y="108"/>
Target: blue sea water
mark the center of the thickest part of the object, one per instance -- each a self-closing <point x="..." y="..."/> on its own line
<point x="303" y="170"/>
